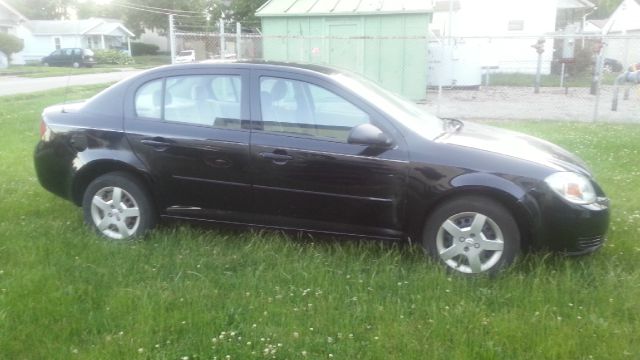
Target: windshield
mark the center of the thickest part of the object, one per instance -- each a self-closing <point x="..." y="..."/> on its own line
<point x="404" y="111"/>
<point x="88" y="52"/>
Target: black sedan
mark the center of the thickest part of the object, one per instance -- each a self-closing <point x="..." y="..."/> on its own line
<point x="310" y="148"/>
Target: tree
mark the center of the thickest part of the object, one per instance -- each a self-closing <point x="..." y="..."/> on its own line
<point x="605" y="8"/>
<point x="244" y="11"/>
<point x="10" y="44"/>
<point x="43" y="9"/>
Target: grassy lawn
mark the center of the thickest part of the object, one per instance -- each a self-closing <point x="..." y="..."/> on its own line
<point x="519" y="79"/>
<point x="148" y="61"/>
<point x="203" y="293"/>
<point x="35" y="71"/>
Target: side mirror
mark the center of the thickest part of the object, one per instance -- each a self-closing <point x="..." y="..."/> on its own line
<point x="371" y="135"/>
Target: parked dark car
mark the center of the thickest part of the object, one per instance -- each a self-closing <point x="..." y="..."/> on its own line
<point x="75" y="57"/>
<point x="306" y="147"/>
<point x="612" y="65"/>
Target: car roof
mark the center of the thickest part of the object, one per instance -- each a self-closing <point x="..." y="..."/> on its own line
<point x="252" y="64"/>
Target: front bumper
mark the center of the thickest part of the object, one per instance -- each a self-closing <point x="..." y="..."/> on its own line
<point x="570" y="228"/>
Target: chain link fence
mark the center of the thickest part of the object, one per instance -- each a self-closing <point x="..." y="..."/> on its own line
<point x="549" y="77"/>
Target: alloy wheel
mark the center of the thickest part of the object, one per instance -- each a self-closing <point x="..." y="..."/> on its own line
<point x="470" y="242"/>
<point x="115" y="213"/>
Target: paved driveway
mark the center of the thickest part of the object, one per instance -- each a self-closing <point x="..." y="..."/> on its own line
<point x="12" y="85"/>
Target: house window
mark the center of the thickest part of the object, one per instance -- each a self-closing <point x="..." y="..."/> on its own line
<point x="516" y="25"/>
<point x="56" y="42"/>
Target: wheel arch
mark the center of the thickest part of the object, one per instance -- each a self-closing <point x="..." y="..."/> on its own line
<point x="97" y="168"/>
<point x="522" y="205"/>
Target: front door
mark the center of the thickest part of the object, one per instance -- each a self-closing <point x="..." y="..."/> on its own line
<point x="188" y="129"/>
<point x="305" y="173"/>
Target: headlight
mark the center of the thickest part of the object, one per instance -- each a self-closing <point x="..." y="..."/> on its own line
<point x="573" y="187"/>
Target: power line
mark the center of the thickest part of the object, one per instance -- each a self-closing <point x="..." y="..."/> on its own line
<point x="156" y="11"/>
<point x="171" y="11"/>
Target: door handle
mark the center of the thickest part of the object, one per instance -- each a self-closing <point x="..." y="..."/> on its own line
<point x="279" y="159"/>
<point x="157" y="143"/>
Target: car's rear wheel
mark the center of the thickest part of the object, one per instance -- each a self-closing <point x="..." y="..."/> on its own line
<point x="472" y="235"/>
<point x="118" y="206"/>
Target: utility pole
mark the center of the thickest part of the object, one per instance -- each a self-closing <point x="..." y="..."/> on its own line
<point x="172" y="39"/>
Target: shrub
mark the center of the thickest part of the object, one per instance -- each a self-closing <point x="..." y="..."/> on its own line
<point x="10" y="44"/>
<point x="112" y="57"/>
<point x="138" y="48"/>
<point x="584" y="61"/>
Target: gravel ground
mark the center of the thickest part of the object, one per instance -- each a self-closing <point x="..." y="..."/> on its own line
<point x="520" y="103"/>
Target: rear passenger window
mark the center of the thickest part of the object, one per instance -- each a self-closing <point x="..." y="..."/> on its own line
<point x="209" y="100"/>
<point x="213" y="100"/>
<point x="149" y="100"/>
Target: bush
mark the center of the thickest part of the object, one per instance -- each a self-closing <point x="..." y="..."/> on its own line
<point x="138" y="48"/>
<point x="112" y="57"/>
<point x="10" y="44"/>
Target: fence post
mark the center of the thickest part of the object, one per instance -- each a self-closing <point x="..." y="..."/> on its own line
<point x="222" y="39"/>
<point x="172" y="39"/>
<point x="538" y="74"/>
<point x="598" y="84"/>
<point x="238" y="40"/>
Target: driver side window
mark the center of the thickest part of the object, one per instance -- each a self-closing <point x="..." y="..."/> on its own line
<point x="297" y="107"/>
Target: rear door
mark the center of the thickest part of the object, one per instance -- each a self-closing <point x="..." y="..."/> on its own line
<point x="305" y="173"/>
<point x="189" y="129"/>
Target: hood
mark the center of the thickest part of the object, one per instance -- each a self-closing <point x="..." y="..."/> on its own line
<point x="515" y="144"/>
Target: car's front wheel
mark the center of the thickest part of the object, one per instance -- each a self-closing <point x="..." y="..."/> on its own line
<point x="472" y="235"/>
<point x="118" y="206"/>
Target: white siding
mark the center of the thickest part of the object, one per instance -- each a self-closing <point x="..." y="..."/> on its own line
<point x="493" y="18"/>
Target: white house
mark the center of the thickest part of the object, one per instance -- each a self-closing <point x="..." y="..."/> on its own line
<point x="500" y="33"/>
<point x="41" y="37"/>
<point x="623" y="32"/>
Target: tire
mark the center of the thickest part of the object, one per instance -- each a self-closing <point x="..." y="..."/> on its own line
<point x="130" y="217"/>
<point x="76" y="65"/>
<point x="472" y="235"/>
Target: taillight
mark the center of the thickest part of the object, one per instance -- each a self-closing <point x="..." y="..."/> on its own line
<point x="43" y="128"/>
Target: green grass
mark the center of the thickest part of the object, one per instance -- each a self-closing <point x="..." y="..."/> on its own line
<point x="36" y="71"/>
<point x="147" y="61"/>
<point x="33" y="71"/>
<point x="519" y="79"/>
<point x="203" y="292"/>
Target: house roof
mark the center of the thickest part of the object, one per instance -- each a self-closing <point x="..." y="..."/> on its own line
<point x="13" y="11"/>
<point x="342" y="7"/>
<point x="92" y="26"/>
<point x="108" y="28"/>
<point x="624" y="18"/>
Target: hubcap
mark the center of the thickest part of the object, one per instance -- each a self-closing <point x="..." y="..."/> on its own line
<point x="115" y="213"/>
<point x="470" y="242"/>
